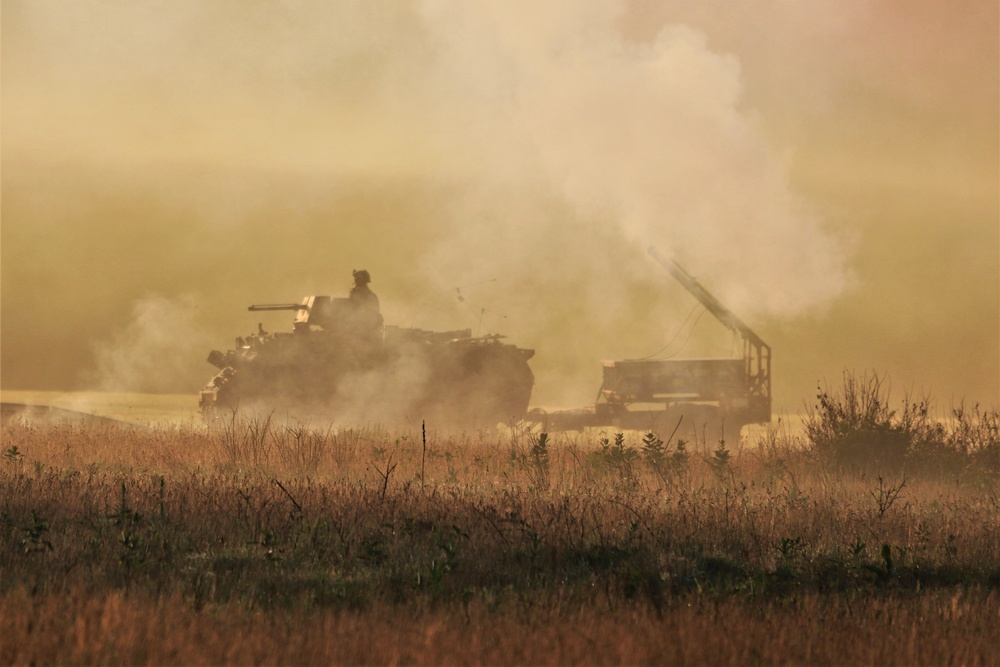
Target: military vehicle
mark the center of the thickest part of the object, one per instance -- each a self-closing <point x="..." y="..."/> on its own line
<point x="708" y="399"/>
<point x="329" y="367"/>
<point x="332" y="365"/>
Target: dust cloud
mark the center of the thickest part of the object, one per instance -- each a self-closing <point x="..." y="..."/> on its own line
<point x="151" y="353"/>
<point x="829" y="173"/>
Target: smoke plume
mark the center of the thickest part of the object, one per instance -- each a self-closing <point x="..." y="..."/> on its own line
<point x="649" y="141"/>
<point x="520" y="155"/>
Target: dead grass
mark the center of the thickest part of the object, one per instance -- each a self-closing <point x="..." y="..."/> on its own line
<point x="112" y="627"/>
<point x="161" y="545"/>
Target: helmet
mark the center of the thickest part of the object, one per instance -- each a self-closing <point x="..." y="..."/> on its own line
<point x="361" y="277"/>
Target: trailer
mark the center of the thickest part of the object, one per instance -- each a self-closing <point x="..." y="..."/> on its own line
<point x="706" y="399"/>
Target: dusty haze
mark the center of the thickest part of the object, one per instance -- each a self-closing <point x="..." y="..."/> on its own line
<point x="831" y="174"/>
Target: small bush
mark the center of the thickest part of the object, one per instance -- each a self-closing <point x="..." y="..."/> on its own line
<point x="854" y="429"/>
<point x="669" y="462"/>
<point x="976" y="433"/>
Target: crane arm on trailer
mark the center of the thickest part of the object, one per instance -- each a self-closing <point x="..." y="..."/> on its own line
<point x="756" y="353"/>
<point x="723" y="314"/>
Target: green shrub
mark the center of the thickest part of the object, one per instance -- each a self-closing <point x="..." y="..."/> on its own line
<point x="854" y="429"/>
<point x="976" y="433"/>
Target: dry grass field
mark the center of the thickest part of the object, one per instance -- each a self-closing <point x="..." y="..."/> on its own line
<point x="257" y="541"/>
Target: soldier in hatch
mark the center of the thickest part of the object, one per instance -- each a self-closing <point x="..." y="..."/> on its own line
<point x="366" y="318"/>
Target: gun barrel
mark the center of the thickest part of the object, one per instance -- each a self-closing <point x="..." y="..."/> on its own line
<point x="279" y="306"/>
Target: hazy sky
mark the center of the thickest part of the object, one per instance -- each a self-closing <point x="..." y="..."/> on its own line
<point x="829" y="170"/>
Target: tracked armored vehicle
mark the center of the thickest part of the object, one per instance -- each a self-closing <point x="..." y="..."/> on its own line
<point x="330" y="367"/>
